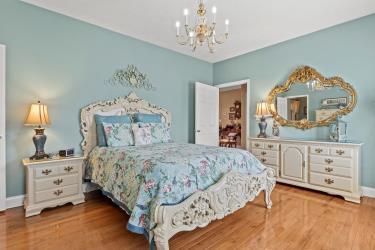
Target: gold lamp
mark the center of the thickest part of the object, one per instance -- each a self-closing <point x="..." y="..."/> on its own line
<point x="38" y="116"/>
<point x="262" y="112"/>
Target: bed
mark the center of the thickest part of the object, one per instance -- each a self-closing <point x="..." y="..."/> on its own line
<point x="170" y="187"/>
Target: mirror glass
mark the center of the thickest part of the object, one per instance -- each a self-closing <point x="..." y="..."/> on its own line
<point x="303" y="102"/>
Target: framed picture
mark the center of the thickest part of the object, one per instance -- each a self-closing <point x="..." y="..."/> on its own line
<point x="232" y="116"/>
<point x="232" y="109"/>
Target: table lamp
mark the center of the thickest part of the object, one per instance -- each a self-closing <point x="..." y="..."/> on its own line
<point x="262" y="112"/>
<point x="38" y="116"/>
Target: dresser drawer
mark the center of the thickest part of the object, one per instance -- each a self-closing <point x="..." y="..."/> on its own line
<point x="268" y="160"/>
<point x="330" y="181"/>
<point x="69" y="169"/>
<point x="56" y="193"/>
<point x="343" y="152"/>
<point x="331" y="170"/>
<point x="264" y="152"/>
<point x="319" y="150"/>
<point x="46" y="171"/>
<point x="331" y="161"/>
<point x="271" y="146"/>
<point x="256" y="144"/>
<point x="54" y="182"/>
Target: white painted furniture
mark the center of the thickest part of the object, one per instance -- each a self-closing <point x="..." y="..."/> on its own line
<point x="52" y="182"/>
<point x="331" y="167"/>
<point x="2" y="130"/>
<point x="229" y="194"/>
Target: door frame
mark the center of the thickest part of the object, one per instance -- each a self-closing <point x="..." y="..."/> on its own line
<point x="237" y="83"/>
<point x="2" y="130"/>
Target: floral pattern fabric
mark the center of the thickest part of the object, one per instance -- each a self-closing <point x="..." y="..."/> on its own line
<point x="141" y="177"/>
<point x="142" y="135"/>
<point x="160" y="133"/>
<point x="118" y="134"/>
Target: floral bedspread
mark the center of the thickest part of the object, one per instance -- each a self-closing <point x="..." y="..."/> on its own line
<point x="141" y="177"/>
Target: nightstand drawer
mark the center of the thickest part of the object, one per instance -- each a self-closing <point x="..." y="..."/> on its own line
<point x="54" y="182"/>
<point x="69" y="168"/>
<point x="46" y="171"/>
<point x="56" y="193"/>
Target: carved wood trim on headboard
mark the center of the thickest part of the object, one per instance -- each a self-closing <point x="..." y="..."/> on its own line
<point x="131" y="104"/>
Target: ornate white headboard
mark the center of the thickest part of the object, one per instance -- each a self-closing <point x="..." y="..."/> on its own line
<point x="131" y="104"/>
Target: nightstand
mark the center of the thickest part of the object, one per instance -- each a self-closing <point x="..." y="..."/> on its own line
<point x="52" y="182"/>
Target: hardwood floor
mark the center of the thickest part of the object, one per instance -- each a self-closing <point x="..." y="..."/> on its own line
<point x="299" y="219"/>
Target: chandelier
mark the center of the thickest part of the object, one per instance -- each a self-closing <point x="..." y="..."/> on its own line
<point x="202" y="31"/>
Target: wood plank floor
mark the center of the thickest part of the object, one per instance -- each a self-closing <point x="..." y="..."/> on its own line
<point x="299" y="219"/>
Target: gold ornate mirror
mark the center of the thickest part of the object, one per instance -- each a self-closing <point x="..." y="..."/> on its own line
<point x="308" y="99"/>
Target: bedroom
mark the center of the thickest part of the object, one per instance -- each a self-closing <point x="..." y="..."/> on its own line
<point x="64" y="53"/>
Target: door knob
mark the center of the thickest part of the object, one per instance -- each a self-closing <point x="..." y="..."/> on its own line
<point x="198" y="131"/>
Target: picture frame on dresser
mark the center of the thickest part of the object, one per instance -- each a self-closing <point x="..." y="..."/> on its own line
<point x="52" y="182"/>
<point x="331" y="167"/>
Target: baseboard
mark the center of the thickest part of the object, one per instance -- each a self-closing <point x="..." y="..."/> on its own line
<point x="15" y="201"/>
<point x="368" y="191"/>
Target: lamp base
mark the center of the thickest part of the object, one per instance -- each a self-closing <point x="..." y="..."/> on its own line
<point x="262" y="127"/>
<point x="39" y="140"/>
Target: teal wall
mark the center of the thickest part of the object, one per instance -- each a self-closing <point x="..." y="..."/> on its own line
<point x="347" y="50"/>
<point x="64" y="62"/>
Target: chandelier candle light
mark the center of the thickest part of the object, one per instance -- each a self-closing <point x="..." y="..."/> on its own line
<point x="201" y="32"/>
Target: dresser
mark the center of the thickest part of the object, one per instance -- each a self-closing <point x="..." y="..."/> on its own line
<point x="334" y="168"/>
<point x="52" y="182"/>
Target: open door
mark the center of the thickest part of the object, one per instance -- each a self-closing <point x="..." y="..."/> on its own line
<point x="2" y="129"/>
<point x="206" y="114"/>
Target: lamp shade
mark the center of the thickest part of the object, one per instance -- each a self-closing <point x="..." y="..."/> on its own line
<point x="262" y="109"/>
<point x="38" y="115"/>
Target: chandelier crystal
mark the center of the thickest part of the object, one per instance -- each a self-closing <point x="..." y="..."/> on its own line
<point x="202" y="31"/>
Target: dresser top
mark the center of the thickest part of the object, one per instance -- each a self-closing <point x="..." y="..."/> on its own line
<point x="285" y="139"/>
<point x="27" y="161"/>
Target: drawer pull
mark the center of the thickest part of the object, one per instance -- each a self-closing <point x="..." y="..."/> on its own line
<point x="329" y="181"/>
<point x="318" y="150"/>
<point x="263" y="153"/>
<point x="58" y="181"/>
<point x="257" y="145"/>
<point x="68" y="169"/>
<point x="328" y="161"/>
<point x="329" y="170"/>
<point x="340" y="152"/>
<point x="263" y="160"/>
<point x="46" y="171"/>
<point x="58" y="192"/>
<point x="270" y="146"/>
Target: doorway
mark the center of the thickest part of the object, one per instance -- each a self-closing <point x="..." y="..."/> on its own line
<point x="233" y="117"/>
<point x="2" y="130"/>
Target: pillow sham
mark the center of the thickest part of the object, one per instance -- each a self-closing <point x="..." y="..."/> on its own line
<point x="160" y="133"/>
<point x="100" y="119"/>
<point x="118" y="134"/>
<point x="142" y="135"/>
<point x="141" y="117"/>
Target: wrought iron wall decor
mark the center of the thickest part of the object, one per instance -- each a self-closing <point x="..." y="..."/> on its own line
<point x="131" y="77"/>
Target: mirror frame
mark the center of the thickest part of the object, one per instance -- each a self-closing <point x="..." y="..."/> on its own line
<point x="300" y="76"/>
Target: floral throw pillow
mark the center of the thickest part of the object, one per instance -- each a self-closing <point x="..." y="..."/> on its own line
<point x="142" y="135"/>
<point x="160" y="133"/>
<point x="118" y="134"/>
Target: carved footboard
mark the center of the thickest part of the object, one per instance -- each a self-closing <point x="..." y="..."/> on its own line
<point x="231" y="193"/>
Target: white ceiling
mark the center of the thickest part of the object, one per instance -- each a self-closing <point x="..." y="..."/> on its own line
<point x="254" y="24"/>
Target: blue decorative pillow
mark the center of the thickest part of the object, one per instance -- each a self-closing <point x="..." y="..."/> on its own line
<point x="118" y="134"/>
<point x="147" y="118"/>
<point x="100" y="119"/>
<point x="160" y="133"/>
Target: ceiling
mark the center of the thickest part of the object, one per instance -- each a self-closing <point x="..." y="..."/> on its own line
<point x="254" y="24"/>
